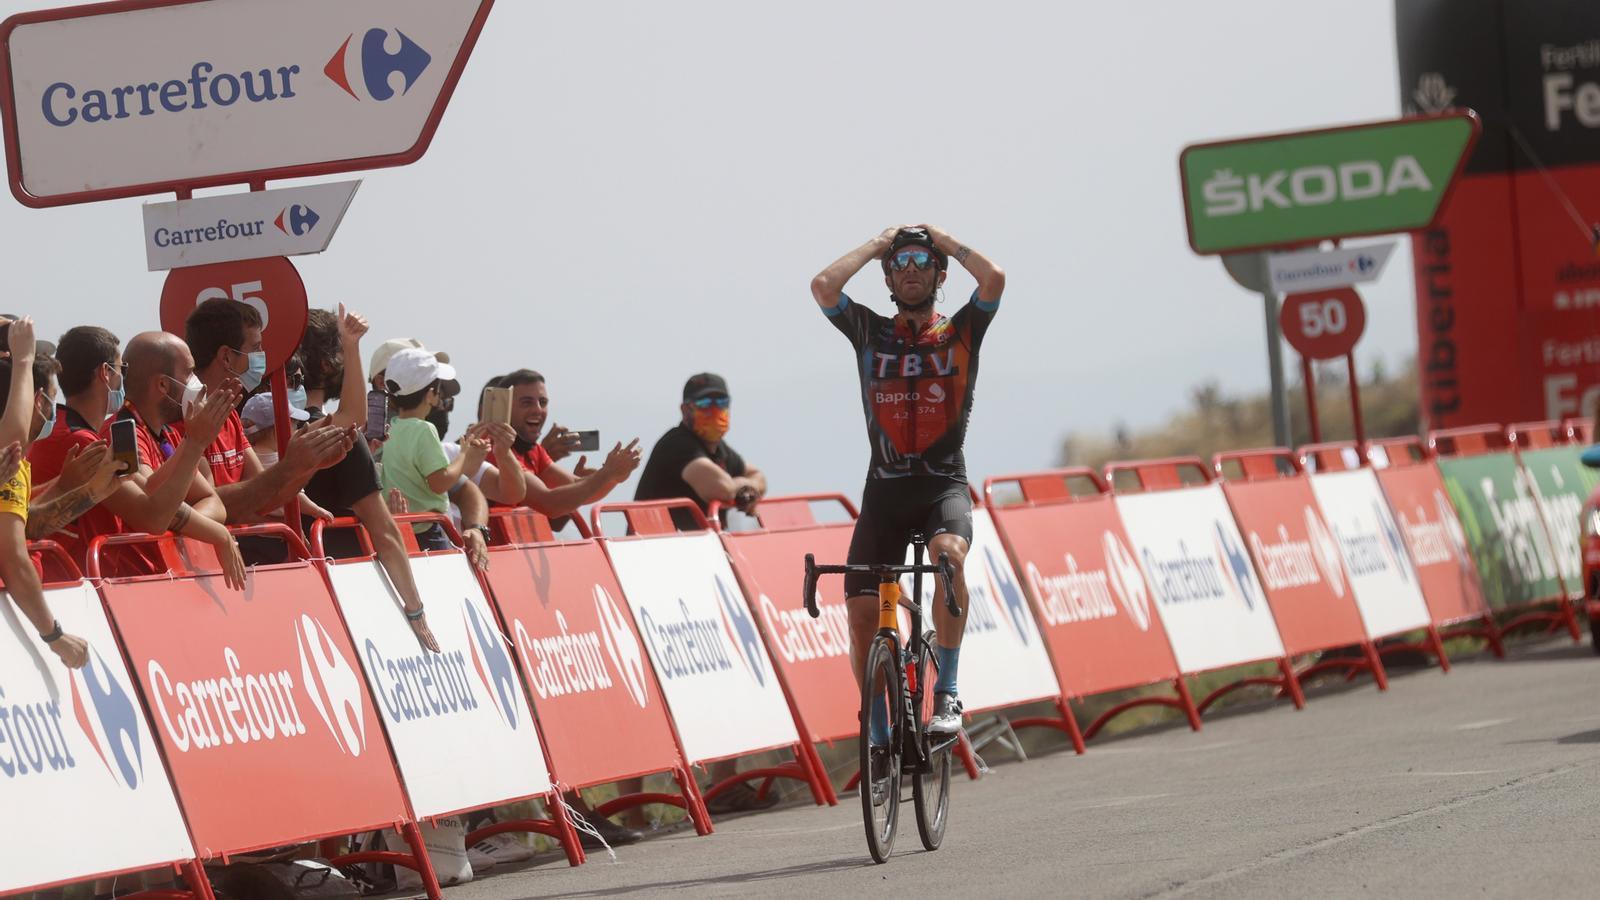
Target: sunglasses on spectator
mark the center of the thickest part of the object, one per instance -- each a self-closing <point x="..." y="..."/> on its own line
<point x="922" y="259"/>
<point x="709" y="402"/>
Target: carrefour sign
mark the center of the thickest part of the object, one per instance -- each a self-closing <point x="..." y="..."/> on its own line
<point x="140" y="97"/>
<point x="1284" y="189"/>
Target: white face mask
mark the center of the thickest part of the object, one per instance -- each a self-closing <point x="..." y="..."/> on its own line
<point x="191" y="392"/>
<point x="268" y="458"/>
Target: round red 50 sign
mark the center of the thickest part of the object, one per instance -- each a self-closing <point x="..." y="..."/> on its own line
<point x="1323" y="324"/>
<point x="271" y="285"/>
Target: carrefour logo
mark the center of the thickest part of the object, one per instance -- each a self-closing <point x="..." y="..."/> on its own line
<point x="371" y="68"/>
<point x="1391" y="538"/>
<point x="1236" y="564"/>
<point x="741" y="630"/>
<point x="1127" y="581"/>
<point x="621" y="645"/>
<point x="492" y="662"/>
<point x="1003" y="586"/>
<point x="297" y="220"/>
<point x="109" y="719"/>
<point x="1326" y="550"/>
<point x="334" y="687"/>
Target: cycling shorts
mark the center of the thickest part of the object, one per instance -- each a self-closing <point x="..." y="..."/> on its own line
<point x="893" y="508"/>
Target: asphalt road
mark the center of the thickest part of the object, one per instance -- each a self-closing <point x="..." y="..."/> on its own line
<point x="1482" y="782"/>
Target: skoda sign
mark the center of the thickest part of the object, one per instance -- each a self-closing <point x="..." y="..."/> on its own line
<point x="1277" y="190"/>
<point x="147" y="96"/>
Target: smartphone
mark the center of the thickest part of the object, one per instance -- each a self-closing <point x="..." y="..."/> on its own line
<point x="377" y="416"/>
<point x="497" y="405"/>
<point x="125" y="446"/>
<point x="588" y="441"/>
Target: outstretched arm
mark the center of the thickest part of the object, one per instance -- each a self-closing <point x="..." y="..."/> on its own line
<point x="828" y="284"/>
<point x="991" y="279"/>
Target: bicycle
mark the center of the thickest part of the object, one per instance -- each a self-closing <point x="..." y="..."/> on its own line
<point x="902" y="675"/>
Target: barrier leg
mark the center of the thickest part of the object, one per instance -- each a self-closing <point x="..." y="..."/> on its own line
<point x="1187" y="699"/>
<point x="1064" y="721"/>
<point x="694" y="804"/>
<point x="969" y="759"/>
<point x="814" y="773"/>
<point x="1437" y="643"/>
<point x="194" y="875"/>
<point x="1376" y="665"/>
<point x="419" y="851"/>
<point x="1291" y="683"/>
<point x="821" y="771"/>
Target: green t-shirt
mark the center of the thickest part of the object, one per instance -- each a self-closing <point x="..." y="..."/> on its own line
<point x="410" y="455"/>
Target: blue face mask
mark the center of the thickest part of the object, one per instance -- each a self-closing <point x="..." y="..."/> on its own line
<point x="49" y="424"/>
<point x="297" y="397"/>
<point x="252" y="377"/>
<point x="115" y="397"/>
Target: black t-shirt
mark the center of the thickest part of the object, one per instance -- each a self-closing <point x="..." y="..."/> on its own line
<point x="663" y="471"/>
<point x="916" y="389"/>
<point x="337" y="489"/>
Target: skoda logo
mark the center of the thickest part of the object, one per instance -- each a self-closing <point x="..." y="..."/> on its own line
<point x="623" y="648"/>
<point x="333" y="685"/>
<point x="1127" y="581"/>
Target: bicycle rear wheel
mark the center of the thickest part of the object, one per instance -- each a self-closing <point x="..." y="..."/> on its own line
<point x="930" y="789"/>
<point x="880" y="766"/>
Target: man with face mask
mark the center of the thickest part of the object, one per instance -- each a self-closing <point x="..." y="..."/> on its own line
<point x="225" y="338"/>
<point x="693" y="461"/>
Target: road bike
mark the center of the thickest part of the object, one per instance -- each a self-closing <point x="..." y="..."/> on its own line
<point x="900" y="678"/>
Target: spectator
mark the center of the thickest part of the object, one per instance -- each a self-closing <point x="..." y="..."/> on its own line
<point x="414" y="458"/>
<point x="501" y="481"/>
<point x="331" y="352"/>
<point x="259" y="418"/>
<point x="384" y="353"/>
<point x="691" y="461"/>
<point x="225" y="338"/>
<point x="26" y="384"/>
<point x="552" y="490"/>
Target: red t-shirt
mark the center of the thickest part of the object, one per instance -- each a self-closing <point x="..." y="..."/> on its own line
<point x="154" y="449"/>
<point x="226" y="453"/>
<point x="535" y="460"/>
<point x="48" y="457"/>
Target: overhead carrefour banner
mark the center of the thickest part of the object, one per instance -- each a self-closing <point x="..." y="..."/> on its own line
<point x="1505" y="531"/>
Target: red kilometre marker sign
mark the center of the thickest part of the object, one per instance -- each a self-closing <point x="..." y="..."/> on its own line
<point x="1323" y="324"/>
<point x="271" y="285"/>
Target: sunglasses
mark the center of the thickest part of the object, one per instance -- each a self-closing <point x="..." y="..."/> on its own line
<point x="922" y="259"/>
<point x="709" y="402"/>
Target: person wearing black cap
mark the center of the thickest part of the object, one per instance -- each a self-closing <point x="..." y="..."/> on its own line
<point x="918" y="371"/>
<point x="692" y="461"/>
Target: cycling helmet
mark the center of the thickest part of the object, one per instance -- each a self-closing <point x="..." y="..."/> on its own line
<point x="918" y="237"/>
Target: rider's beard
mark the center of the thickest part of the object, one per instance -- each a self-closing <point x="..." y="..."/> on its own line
<point x="926" y="302"/>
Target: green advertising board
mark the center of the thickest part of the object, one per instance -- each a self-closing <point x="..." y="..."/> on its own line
<point x="1505" y="531"/>
<point x="1275" y="190"/>
<point x="1563" y="483"/>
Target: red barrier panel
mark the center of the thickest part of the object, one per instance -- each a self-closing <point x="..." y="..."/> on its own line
<point x="1305" y="580"/>
<point x="1537" y="435"/>
<point x="596" y="696"/>
<point x="1088" y="595"/>
<point x="262" y="682"/>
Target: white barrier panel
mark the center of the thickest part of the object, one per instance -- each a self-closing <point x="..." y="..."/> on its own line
<point x="708" y="655"/>
<point x="82" y="786"/>
<point x="1003" y="658"/>
<point x="1207" y="595"/>
<point x="1385" y="584"/>
<point x="458" y="720"/>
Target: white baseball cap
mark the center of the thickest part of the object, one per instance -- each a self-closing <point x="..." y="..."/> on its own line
<point x="413" y="369"/>
<point x="386" y="352"/>
<point x="257" y="414"/>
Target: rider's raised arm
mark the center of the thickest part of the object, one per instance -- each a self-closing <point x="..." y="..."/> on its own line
<point x="830" y="282"/>
<point x="990" y="277"/>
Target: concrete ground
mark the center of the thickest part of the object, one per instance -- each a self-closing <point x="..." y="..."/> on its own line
<point x="1482" y="782"/>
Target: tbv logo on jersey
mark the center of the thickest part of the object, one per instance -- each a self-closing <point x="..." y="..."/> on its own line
<point x="1186" y="578"/>
<point x="32" y="741"/>
<point x="1287" y="563"/>
<point x="297" y="220"/>
<point x="570" y="663"/>
<point x="1083" y="595"/>
<point x="368" y="70"/>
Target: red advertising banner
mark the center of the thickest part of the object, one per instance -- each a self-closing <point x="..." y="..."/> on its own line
<point x="588" y="674"/>
<point x="1438" y="546"/>
<point x="262" y="683"/>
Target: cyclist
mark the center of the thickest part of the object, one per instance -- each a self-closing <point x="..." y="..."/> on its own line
<point x="918" y="371"/>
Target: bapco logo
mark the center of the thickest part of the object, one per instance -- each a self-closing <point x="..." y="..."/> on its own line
<point x="333" y="685"/>
<point x="1391" y="538"/>
<point x="106" y="712"/>
<point x="741" y="630"/>
<point x="493" y="662"/>
<point x="1326" y="551"/>
<point x="626" y="654"/>
<point x="371" y="68"/>
<point x="1237" y="565"/>
<point x="297" y="220"/>
<point x="934" y="393"/>
<point x="1002" y="583"/>
<point x="1127" y="581"/>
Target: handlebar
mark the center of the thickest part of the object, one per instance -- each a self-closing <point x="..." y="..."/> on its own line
<point x="884" y="572"/>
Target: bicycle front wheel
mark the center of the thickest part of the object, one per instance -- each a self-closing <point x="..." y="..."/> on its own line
<point x="930" y="790"/>
<point x="880" y="765"/>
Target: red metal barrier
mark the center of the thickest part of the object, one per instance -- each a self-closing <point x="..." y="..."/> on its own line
<point x="1298" y="561"/>
<point x="585" y="668"/>
<point x="261" y="681"/>
<point x="1067" y="544"/>
<point x="1579" y="430"/>
<point x="652" y="521"/>
<point x="1537" y="435"/>
<point x="1473" y="440"/>
<point x="1190" y="473"/>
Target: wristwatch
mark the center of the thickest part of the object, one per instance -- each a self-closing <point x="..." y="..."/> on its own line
<point x="483" y="530"/>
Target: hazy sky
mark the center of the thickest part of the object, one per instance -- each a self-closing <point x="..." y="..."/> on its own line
<point x="625" y="193"/>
